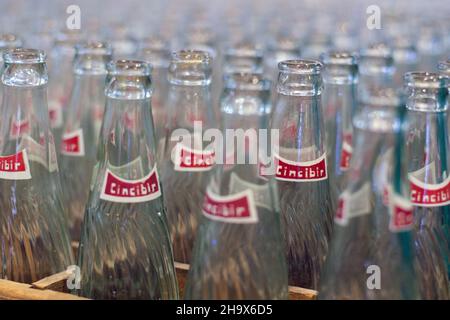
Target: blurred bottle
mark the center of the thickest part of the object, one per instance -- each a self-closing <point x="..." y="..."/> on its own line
<point x="123" y="44"/>
<point x="376" y="70"/>
<point x="405" y="58"/>
<point x="82" y="128"/>
<point x="302" y="173"/>
<point x="33" y="226"/>
<point x="125" y="250"/>
<point x="430" y="46"/>
<point x="155" y="51"/>
<point x="185" y="163"/>
<point x="61" y="79"/>
<point x="371" y="253"/>
<point x="340" y="78"/>
<point x="230" y="261"/>
<point x="428" y="166"/>
<point x="7" y="41"/>
<point x="243" y="57"/>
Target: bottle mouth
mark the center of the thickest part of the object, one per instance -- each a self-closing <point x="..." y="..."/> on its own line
<point x="129" y="68"/>
<point x="97" y="48"/>
<point x="24" y="56"/>
<point x="342" y="58"/>
<point x="191" y="57"/>
<point x="247" y="81"/>
<point x="244" y="50"/>
<point x="9" y="40"/>
<point x="377" y="50"/>
<point x="153" y="43"/>
<point x="444" y="67"/>
<point x="425" y="80"/>
<point x="304" y="67"/>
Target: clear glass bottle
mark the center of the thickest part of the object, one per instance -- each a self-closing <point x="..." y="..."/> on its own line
<point x="188" y="106"/>
<point x="33" y="226"/>
<point x="230" y="261"/>
<point x="82" y="128"/>
<point x="340" y="78"/>
<point x="302" y="173"/>
<point x="376" y="70"/>
<point x="155" y="51"/>
<point x="428" y="167"/>
<point x="125" y="250"/>
<point x="371" y="253"/>
<point x="61" y="79"/>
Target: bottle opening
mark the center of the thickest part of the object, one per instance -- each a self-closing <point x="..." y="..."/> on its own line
<point x="339" y="58"/>
<point x="244" y="50"/>
<point x="377" y="58"/>
<point x="444" y="67"/>
<point x="300" y="66"/>
<point x="93" y="48"/>
<point x="9" y="40"/>
<point x="247" y="81"/>
<point x="129" y="68"/>
<point x="425" y="80"/>
<point x="24" y="56"/>
<point x="190" y="67"/>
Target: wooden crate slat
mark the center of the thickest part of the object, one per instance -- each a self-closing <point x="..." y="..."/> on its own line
<point x="10" y="290"/>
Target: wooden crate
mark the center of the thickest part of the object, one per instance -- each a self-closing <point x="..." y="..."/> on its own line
<point x="54" y="287"/>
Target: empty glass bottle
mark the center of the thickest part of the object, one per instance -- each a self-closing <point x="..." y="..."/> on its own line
<point x="82" y="128"/>
<point x="33" y="226"/>
<point x="184" y="164"/>
<point x="302" y="173"/>
<point x="429" y="162"/>
<point x="239" y="252"/>
<point x="371" y="253"/>
<point x="155" y="51"/>
<point x="61" y="79"/>
<point x="339" y="102"/>
<point x="125" y="250"/>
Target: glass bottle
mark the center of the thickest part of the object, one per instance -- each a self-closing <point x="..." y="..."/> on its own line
<point x="376" y="70"/>
<point x="340" y="78"/>
<point x="33" y="226"/>
<point x="302" y="173"/>
<point x="155" y="51"/>
<point x="189" y="108"/>
<point x="61" y="79"/>
<point x="428" y="168"/>
<point x="125" y="250"/>
<point x="82" y="128"/>
<point x="243" y="57"/>
<point x="230" y="260"/>
<point x="371" y="253"/>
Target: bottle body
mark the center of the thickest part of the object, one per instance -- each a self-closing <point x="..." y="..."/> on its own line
<point x="125" y="250"/>
<point x="230" y="258"/>
<point x="188" y="106"/>
<point x="371" y="253"/>
<point x="32" y="219"/>
<point x="301" y="173"/>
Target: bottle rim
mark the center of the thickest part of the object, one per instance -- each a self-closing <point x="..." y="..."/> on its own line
<point x="125" y="67"/>
<point x="344" y="58"/>
<point x="377" y="50"/>
<point x="191" y="56"/>
<point x="24" y="56"/>
<point x="93" y="47"/>
<point x="9" y="40"/>
<point x="245" y="50"/>
<point x="444" y="66"/>
<point x="247" y="81"/>
<point x="425" y="80"/>
<point x="300" y="66"/>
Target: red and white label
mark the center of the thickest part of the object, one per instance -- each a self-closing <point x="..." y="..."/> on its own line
<point x="116" y="189"/>
<point x="354" y="204"/>
<point x="72" y="143"/>
<point x="187" y="159"/>
<point x="401" y="211"/>
<point x="346" y="152"/>
<point x="307" y="171"/>
<point x="15" y="166"/>
<point x="19" y="128"/>
<point x="55" y="113"/>
<point x="429" y="195"/>
<point x="37" y="152"/>
<point x="236" y="208"/>
<point x="261" y="192"/>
